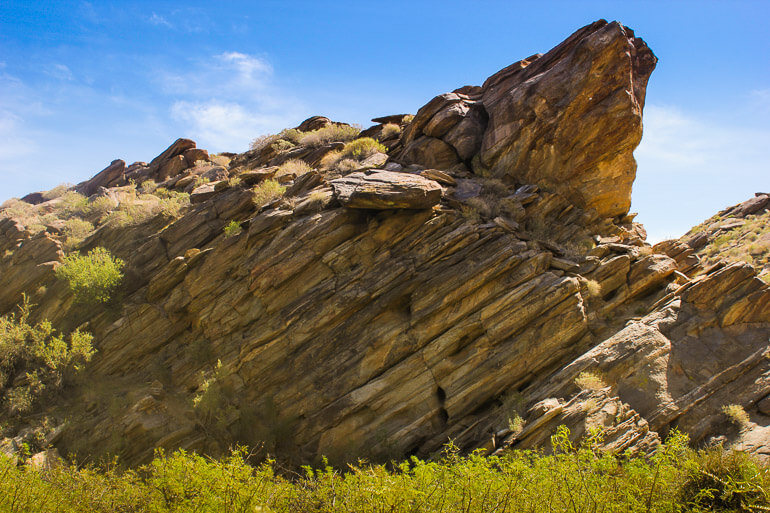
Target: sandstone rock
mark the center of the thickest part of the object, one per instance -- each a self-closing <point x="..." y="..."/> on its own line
<point x="393" y="118"/>
<point x="430" y="152"/>
<point x="194" y="155"/>
<point x="314" y="123"/>
<point x="257" y="176"/>
<point x="386" y="190"/>
<point x="203" y="192"/>
<point x="172" y="167"/>
<point x="438" y="176"/>
<point x="110" y="176"/>
<point x="34" y="198"/>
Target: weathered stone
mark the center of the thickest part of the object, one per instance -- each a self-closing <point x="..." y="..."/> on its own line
<point x="194" y="155"/>
<point x="257" y="176"/>
<point x="172" y="167"/>
<point x="386" y="190"/>
<point x="393" y="118"/>
<point x="177" y="148"/>
<point x="438" y="176"/>
<point x="430" y="152"/>
<point x="107" y="177"/>
<point x="530" y="140"/>
<point x="33" y="198"/>
<point x="203" y="192"/>
<point x="314" y="123"/>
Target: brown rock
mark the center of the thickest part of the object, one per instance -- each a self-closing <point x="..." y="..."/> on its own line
<point x="430" y="152"/>
<point x="110" y="176"/>
<point x="178" y="147"/>
<point x="393" y="118"/>
<point x="258" y="175"/>
<point x="193" y="155"/>
<point x="386" y="190"/>
<point x="203" y="193"/>
<point x="586" y="149"/>
<point x="34" y="198"/>
<point x="314" y="123"/>
<point x="171" y="167"/>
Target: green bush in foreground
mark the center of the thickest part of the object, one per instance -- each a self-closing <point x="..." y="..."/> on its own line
<point x="572" y="480"/>
<point x="91" y="277"/>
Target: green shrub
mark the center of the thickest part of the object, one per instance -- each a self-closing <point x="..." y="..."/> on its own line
<point x="233" y="228"/>
<point x="40" y="355"/>
<point x="91" y="277"/>
<point x="267" y="191"/>
<point x="390" y="130"/>
<point x="295" y="167"/>
<point x="100" y="207"/>
<point x="292" y="135"/>
<point x="282" y="145"/>
<point x="75" y="230"/>
<point x="73" y="204"/>
<point x="574" y="479"/>
<point x="330" y="133"/>
<point x="362" y="148"/>
<point x="57" y="191"/>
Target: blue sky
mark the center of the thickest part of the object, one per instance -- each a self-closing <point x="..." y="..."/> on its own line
<point x="83" y="83"/>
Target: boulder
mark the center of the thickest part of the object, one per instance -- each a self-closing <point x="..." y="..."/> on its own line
<point x="430" y="152"/>
<point x="314" y="123"/>
<point x="193" y="155"/>
<point x="386" y="190"/>
<point x="110" y="176"/>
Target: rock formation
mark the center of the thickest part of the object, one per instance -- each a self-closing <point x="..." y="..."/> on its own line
<point x="483" y="282"/>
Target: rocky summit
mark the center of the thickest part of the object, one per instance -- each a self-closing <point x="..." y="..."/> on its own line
<point x="470" y="272"/>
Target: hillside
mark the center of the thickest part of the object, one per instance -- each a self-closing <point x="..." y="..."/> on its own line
<point x="470" y="272"/>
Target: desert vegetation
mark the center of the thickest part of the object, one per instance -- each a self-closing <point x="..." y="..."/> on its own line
<point x="571" y="479"/>
<point x="91" y="277"/>
<point x="35" y="360"/>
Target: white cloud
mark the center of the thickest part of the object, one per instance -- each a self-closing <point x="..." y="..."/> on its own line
<point x="691" y="166"/>
<point x="157" y="19"/>
<point x="223" y="75"/>
<point x="223" y="102"/>
<point x="59" y="71"/>
<point x="223" y="125"/>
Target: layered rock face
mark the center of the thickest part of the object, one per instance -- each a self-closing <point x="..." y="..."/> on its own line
<point x="568" y="120"/>
<point x="382" y="310"/>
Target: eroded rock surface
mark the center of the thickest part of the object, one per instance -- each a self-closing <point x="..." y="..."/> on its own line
<point x="487" y="299"/>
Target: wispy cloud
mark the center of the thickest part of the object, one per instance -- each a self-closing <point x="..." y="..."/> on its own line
<point x="697" y="166"/>
<point x="59" y="71"/>
<point x="157" y="19"/>
<point x="226" y="100"/>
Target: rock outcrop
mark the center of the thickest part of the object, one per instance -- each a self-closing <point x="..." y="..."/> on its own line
<point x="568" y="120"/>
<point x="487" y="299"/>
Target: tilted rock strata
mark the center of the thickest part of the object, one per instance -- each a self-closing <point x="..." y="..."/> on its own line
<point x="380" y="313"/>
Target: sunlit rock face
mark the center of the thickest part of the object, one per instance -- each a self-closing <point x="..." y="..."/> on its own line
<point x="479" y="282"/>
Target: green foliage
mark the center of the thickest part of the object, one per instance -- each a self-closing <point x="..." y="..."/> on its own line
<point x="233" y="228"/>
<point x="362" y="148"/>
<point x="35" y="359"/>
<point x="57" y="191"/>
<point x="736" y="414"/>
<point x="295" y="167"/>
<point x="390" y="130"/>
<point x="330" y="133"/>
<point x="75" y="230"/>
<point x="573" y="479"/>
<point x="91" y="277"/>
<point x="267" y="191"/>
